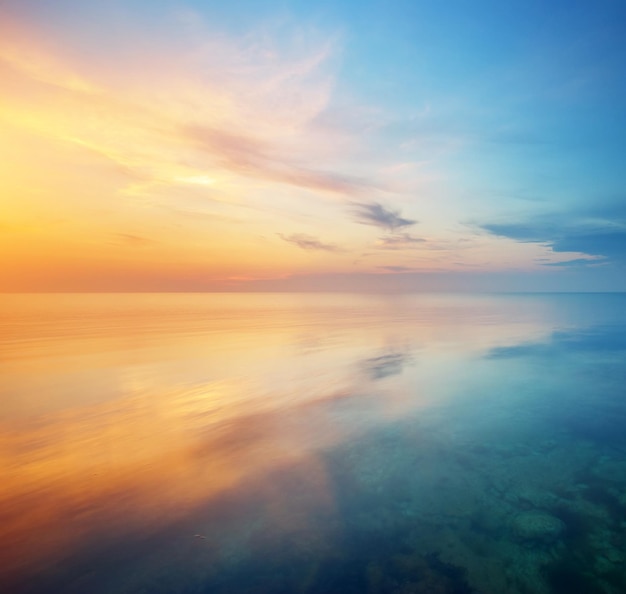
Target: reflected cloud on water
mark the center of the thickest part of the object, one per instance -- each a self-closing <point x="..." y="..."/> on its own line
<point x="385" y="365"/>
<point x="596" y="339"/>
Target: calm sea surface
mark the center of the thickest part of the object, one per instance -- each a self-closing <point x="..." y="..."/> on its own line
<point x="313" y="444"/>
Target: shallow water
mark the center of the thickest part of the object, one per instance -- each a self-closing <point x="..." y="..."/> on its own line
<point x="323" y="444"/>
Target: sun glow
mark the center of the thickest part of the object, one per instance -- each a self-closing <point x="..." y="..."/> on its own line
<point x="200" y="180"/>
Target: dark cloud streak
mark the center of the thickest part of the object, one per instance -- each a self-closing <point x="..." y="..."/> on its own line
<point x="308" y="242"/>
<point x="574" y="263"/>
<point x="599" y="231"/>
<point x="373" y="213"/>
<point x="401" y="241"/>
<point x="397" y="268"/>
<point x="133" y="240"/>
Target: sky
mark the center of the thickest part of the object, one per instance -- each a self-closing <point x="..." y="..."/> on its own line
<point x="312" y="146"/>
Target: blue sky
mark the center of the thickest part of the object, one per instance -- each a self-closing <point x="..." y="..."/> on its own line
<point x="416" y="144"/>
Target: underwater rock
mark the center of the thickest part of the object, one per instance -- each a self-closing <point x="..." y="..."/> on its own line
<point x="537" y="527"/>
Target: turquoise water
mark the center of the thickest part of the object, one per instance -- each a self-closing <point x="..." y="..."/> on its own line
<point x="313" y="444"/>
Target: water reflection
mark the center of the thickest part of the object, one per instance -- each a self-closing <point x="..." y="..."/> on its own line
<point x="595" y="339"/>
<point x="218" y="443"/>
<point x="385" y="365"/>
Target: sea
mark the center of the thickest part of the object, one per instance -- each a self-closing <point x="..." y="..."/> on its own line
<point x="231" y="443"/>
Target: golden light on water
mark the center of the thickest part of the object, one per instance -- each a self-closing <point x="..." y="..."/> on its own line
<point x="123" y="414"/>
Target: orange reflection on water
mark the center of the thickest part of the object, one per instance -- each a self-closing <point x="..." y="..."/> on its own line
<point x="127" y="466"/>
<point x="123" y="414"/>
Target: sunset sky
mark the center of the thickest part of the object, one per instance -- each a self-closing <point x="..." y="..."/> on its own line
<point x="160" y="145"/>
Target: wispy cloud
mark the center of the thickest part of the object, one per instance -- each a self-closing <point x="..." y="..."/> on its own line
<point x="577" y="262"/>
<point x="397" y="268"/>
<point x="188" y="108"/>
<point x="373" y="213"/>
<point x="308" y="242"/>
<point x="246" y="155"/>
<point x="132" y="240"/>
<point x="400" y="241"/>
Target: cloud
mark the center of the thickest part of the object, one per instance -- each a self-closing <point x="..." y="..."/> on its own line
<point x="597" y="231"/>
<point x="246" y="155"/>
<point x="536" y="231"/>
<point x="401" y="241"/>
<point x="190" y="107"/>
<point x="598" y="242"/>
<point x="308" y="242"/>
<point x="133" y="240"/>
<point x="397" y="268"/>
<point x="575" y="263"/>
<point x="373" y="213"/>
